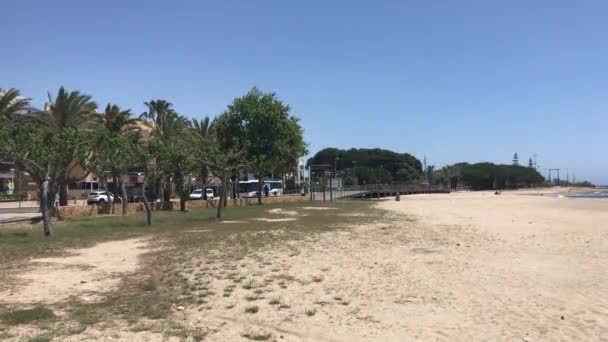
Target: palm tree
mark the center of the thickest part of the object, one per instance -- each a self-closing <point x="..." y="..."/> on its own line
<point x="68" y="110"/>
<point x="166" y="125"/>
<point x="202" y="131"/>
<point x="11" y="103"/>
<point x="116" y="119"/>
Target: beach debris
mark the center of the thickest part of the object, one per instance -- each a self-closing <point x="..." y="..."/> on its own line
<point x="180" y="308"/>
<point x="398" y="197"/>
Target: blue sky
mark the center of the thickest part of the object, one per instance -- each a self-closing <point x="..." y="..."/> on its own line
<point x="452" y="80"/>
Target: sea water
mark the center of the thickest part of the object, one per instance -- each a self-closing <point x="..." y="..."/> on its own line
<point x="590" y="194"/>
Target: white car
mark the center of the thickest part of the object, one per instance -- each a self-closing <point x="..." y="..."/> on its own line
<point x="201" y="194"/>
<point x="100" y="197"/>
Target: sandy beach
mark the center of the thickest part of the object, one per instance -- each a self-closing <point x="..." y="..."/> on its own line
<point x="521" y="266"/>
<point x="457" y="267"/>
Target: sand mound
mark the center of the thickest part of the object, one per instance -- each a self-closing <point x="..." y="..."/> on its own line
<point x="84" y="274"/>
<point x="276" y="220"/>
<point x="283" y="212"/>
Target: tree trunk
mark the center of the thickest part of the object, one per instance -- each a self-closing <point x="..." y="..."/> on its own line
<point x="226" y="193"/>
<point x="114" y="192"/>
<point x="125" y="200"/>
<point x="146" y="204"/>
<point x="63" y="194"/>
<point x="220" y="205"/>
<point x="110" y="198"/>
<point x="45" y="208"/>
<point x="167" y="191"/>
<point x="260" y="189"/>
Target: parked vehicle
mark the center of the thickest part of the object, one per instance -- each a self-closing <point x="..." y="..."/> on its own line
<point x="201" y="194"/>
<point x="136" y="197"/>
<point x="250" y="188"/>
<point x="101" y="197"/>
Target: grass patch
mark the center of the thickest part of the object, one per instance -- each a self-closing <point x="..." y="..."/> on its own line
<point x="275" y="301"/>
<point x="252" y="309"/>
<point x="40" y="338"/>
<point x="25" y="316"/>
<point x="257" y="335"/>
<point x="310" y="312"/>
<point x="148" y="285"/>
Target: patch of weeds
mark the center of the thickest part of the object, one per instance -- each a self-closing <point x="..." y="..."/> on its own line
<point x="40" y="338"/>
<point x="140" y="327"/>
<point x="16" y="317"/>
<point x="229" y="306"/>
<point x="253" y="297"/>
<point x="75" y="330"/>
<point x="318" y="279"/>
<point x="252" y="309"/>
<point x="148" y="285"/>
<point x="344" y="302"/>
<point x="284" y="306"/>
<point x="249" y="284"/>
<point x="257" y="335"/>
<point x="310" y="312"/>
<point x="275" y="301"/>
<point x="338" y="298"/>
<point x="258" y="291"/>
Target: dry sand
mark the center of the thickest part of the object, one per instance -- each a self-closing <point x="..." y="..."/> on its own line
<point x="458" y="267"/>
<point x="85" y="274"/>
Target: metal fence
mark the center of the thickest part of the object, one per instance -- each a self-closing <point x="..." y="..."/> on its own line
<point x="369" y="191"/>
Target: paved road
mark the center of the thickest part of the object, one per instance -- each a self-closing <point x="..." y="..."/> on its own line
<point x="15" y="217"/>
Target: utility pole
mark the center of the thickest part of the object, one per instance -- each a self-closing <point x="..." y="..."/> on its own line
<point x="550" y="171"/>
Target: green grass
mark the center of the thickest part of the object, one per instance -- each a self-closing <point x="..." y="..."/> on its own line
<point x="25" y="316"/>
<point x="25" y="242"/>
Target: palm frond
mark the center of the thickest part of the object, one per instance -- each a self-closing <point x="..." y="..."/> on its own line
<point x="68" y="109"/>
<point x="12" y="103"/>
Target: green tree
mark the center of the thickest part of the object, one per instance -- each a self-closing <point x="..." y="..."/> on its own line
<point x="223" y="158"/>
<point x="402" y="167"/>
<point x="44" y="153"/>
<point x="515" y="159"/>
<point x="68" y="110"/>
<point x="166" y="124"/>
<point x="177" y="161"/>
<point x="111" y="151"/>
<point x="261" y="125"/>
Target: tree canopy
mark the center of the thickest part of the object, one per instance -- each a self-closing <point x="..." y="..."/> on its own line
<point x="262" y="126"/>
<point x="485" y="176"/>
<point x="370" y="165"/>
